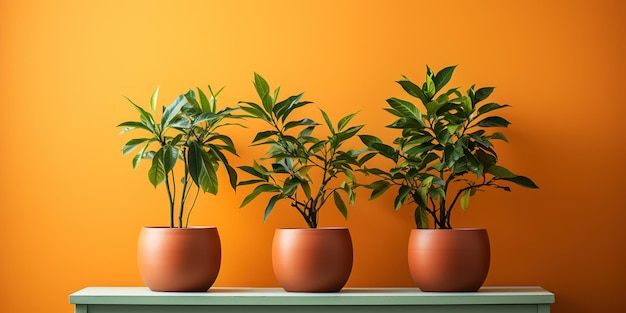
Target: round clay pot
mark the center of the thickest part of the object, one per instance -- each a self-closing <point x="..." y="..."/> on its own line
<point x="179" y="259"/>
<point x="312" y="260"/>
<point x="449" y="259"/>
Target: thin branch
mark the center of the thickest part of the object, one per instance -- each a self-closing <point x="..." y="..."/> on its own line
<point x="193" y="204"/>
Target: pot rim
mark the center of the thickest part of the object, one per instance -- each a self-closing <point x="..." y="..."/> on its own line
<point x="313" y="229"/>
<point x="451" y="229"/>
<point x="173" y="228"/>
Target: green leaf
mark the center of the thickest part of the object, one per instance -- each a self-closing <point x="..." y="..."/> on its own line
<point x="137" y="158"/>
<point x="306" y="133"/>
<point x="132" y="125"/>
<point x="171" y="111"/>
<point x="146" y="118"/>
<point x="259" y="168"/>
<point x="421" y="218"/>
<point x="401" y="198"/>
<point x="341" y="206"/>
<point x="190" y="96"/>
<point x="417" y="151"/>
<point x="522" y="181"/>
<point x="386" y="151"/>
<point x="264" y="134"/>
<point x="378" y="188"/>
<point x="285" y="107"/>
<point x="443" y="77"/>
<point x="263" y="90"/>
<point x="328" y="122"/>
<point x="250" y="182"/>
<point x="156" y="174"/>
<point x="133" y="143"/>
<point x="170" y="156"/>
<point x="306" y="188"/>
<point x="204" y="102"/>
<point x="466" y="104"/>
<point x="413" y="89"/>
<point x="290" y="186"/>
<point x="261" y="86"/>
<point x="344" y="121"/>
<point x="228" y="145"/>
<point x="486" y="159"/>
<point x="432" y="107"/>
<point x="350" y="191"/>
<point x="213" y="99"/>
<point x="500" y="172"/>
<point x="254" y="172"/>
<point x="481" y="140"/>
<point x="407" y="109"/>
<point x="452" y="153"/>
<point x="493" y="121"/>
<point x="368" y="140"/>
<point x="499" y="135"/>
<point x="365" y="158"/>
<point x="255" y="110"/>
<point x="430" y="87"/>
<point x="232" y="174"/>
<point x="201" y="168"/>
<point x="482" y="94"/>
<point x="452" y="128"/>
<point x="465" y="198"/>
<point x="153" y="100"/>
<point x="490" y="107"/>
<point x="180" y="122"/>
<point x="348" y="133"/>
<point x="270" y="206"/>
<point x="257" y="191"/>
<point x="302" y="122"/>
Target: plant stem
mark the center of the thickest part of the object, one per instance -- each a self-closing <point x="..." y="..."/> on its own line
<point x="169" y="195"/>
<point x="192" y="206"/>
<point x="184" y="192"/>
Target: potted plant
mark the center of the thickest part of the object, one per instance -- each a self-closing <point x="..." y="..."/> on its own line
<point x="444" y="155"/>
<point x="305" y="171"/>
<point x="186" y="150"/>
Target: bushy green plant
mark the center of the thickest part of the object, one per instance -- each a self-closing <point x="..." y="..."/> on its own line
<point x="299" y="167"/>
<point x="187" y="132"/>
<point x="447" y="141"/>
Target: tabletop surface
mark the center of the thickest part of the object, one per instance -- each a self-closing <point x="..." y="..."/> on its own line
<point x="277" y="296"/>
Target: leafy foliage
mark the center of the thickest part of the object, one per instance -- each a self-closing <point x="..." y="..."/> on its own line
<point x="447" y="141"/>
<point x="187" y="132"/>
<point x="299" y="167"/>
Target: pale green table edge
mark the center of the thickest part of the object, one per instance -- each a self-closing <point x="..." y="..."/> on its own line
<point x="278" y="297"/>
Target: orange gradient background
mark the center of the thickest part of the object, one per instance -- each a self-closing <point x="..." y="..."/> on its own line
<point x="71" y="206"/>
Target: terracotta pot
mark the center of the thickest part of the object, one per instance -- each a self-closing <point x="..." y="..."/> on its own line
<point x="179" y="259"/>
<point x="312" y="260"/>
<point x="449" y="259"/>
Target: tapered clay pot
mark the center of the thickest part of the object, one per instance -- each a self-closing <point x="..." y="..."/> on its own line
<point x="179" y="259"/>
<point x="449" y="259"/>
<point x="312" y="260"/>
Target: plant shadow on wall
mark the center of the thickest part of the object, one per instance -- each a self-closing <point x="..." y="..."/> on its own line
<point x="178" y="257"/>
<point x="448" y="143"/>
<point x="306" y="171"/>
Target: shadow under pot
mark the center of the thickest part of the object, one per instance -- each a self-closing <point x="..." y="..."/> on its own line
<point x="449" y="260"/>
<point x="179" y="259"/>
<point x="312" y="260"/>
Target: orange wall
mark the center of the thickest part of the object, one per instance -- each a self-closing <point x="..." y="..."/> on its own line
<point x="71" y="206"/>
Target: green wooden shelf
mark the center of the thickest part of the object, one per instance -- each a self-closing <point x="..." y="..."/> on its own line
<point x="219" y="299"/>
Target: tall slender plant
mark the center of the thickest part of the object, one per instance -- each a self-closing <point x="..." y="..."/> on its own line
<point x="448" y="141"/>
<point x="300" y="168"/>
<point x="187" y="132"/>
